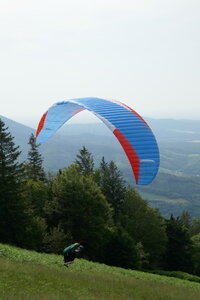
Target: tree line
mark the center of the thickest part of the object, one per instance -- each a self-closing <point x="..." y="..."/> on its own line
<point x="93" y="206"/>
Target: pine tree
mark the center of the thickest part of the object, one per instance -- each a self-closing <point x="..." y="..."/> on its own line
<point x="9" y="167"/>
<point x="13" y="219"/>
<point x="186" y="219"/>
<point x="85" y="162"/>
<point x="34" y="168"/>
<point x="179" y="249"/>
<point x="112" y="185"/>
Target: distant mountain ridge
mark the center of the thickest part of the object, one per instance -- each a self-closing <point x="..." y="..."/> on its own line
<point x="179" y="146"/>
<point x="16" y="128"/>
<point x="178" y="142"/>
<point x="21" y="134"/>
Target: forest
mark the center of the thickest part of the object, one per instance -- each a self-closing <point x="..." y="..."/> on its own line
<point x="91" y="205"/>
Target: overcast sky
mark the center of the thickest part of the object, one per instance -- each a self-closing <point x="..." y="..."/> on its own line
<point x="143" y="53"/>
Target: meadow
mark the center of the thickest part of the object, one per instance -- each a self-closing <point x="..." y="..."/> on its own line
<point x="30" y="275"/>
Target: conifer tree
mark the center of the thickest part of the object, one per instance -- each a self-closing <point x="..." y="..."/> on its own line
<point x="34" y="168"/>
<point x="9" y="167"/>
<point x="185" y="219"/>
<point x="85" y="162"/>
<point x="14" y="221"/>
<point x="179" y="249"/>
<point x="112" y="185"/>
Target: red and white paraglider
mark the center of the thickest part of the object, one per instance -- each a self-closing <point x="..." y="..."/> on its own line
<point x="133" y="133"/>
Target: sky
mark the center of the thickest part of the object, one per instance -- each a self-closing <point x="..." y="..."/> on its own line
<point x="144" y="53"/>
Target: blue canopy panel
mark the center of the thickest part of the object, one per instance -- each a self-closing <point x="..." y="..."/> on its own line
<point x="130" y="129"/>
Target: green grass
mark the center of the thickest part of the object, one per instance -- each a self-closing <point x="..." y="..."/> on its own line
<point x="31" y="275"/>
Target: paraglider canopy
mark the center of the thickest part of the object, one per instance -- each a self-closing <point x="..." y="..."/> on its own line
<point x="72" y="248"/>
<point x="131" y="130"/>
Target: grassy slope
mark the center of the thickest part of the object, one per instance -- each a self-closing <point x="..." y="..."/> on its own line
<point x="31" y="275"/>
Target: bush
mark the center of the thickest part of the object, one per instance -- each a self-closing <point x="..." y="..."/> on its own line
<point x="177" y="274"/>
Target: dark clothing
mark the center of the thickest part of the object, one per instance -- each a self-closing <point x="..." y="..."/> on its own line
<point x="70" y="253"/>
<point x="69" y="256"/>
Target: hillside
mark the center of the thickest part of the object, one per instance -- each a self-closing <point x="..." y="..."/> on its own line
<point x="21" y="134"/>
<point x="31" y="275"/>
<point x="178" y="141"/>
<point x="177" y="185"/>
<point x="173" y="194"/>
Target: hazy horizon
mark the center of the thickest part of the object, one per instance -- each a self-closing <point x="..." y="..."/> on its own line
<point x="143" y="53"/>
<point x="84" y="120"/>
